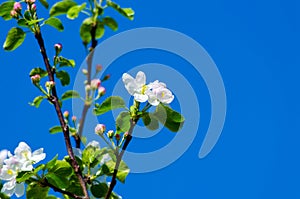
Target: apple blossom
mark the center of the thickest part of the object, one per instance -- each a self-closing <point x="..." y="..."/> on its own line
<point x="157" y="92"/>
<point x="99" y="129"/>
<point x="136" y="87"/>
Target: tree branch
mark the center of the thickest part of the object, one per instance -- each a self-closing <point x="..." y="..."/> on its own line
<point x="56" y="189"/>
<point x="55" y="101"/>
<point x="89" y="69"/>
<point x="119" y="159"/>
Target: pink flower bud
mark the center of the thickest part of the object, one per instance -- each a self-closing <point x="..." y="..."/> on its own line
<point x="14" y="14"/>
<point x="99" y="68"/>
<point x="106" y="77"/>
<point x="17" y="6"/>
<point x="35" y="78"/>
<point x="117" y="137"/>
<point x="99" y="129"/>
<point x="58" y="48"/>
<point x="50" y="84"/>
<point x="101" y="90"/>
<point x="125" y="134"/>
<point x="66" y="114"/>
<point x="74" y="118"/>
<point x="31" y="7"/>
<point x="110" y="134"/>
<point x="95" y="83"/>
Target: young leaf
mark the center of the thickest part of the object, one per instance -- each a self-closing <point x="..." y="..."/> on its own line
<point x="61" y="168"/>
<point x="35" y="190"/>
<point x="74" y="11"/>
<point x="55" y="129"/>
<point x="5" y="9"/>
<point x="14" y="39"/>
<point x="123" y="170"/>
<point x="111" y="23"/>
<point x="64" y="77"/>
<point x="150" y="121"/>
<point x="55" y="23"/>
<point x="23" y="23"/>
<point x="60" y="181"/>
<point x="61" y="7"/>
<point x="38" y="71"/>
<point x="66" y="62"/>
<point x="24" y="175"/>
<point x="99" y="30"/>
<point x="109" y="104"/>
<point x="85" y="30"/>
<point x="169" y="118"/>
<point x="44" y="3"/>
<point x="126" y="12"/>
<point x="37" y="101"/>
<point x="123" y="121"/>
<point x="70" y="94"/>
<point x="99" y="190"/>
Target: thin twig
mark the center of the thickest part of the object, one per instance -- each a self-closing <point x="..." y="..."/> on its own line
<point x="119" y="159"/>
<point x="56" y="189"/>
<point x="89" y="69"/>
<point x="55" y="101"/>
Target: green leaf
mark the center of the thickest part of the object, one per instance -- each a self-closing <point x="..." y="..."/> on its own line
<point x="74" y="11"/>
<point x="123" y="170"/>
<point x="85" y="30"/>
<point x="99" y="190"/>
<point x="61" y="168"/>
<point x="61" y="7"/>
<point x="91" y="156"/>
<point x="58" y="180"/>
<point x="111" y="23"/>
<point x="34" y="21"/>
<point x="38" y="71"/>
<point x="34" y="191"/>
<point x="14" y="39"/>
<point x="24" y="175"/>
<point x="123" y="121"/>
<point x="22" y="22"/>
<point x="64" y="77"/>
<point x="99" y="30"/>
<point x="70" y="94"/>
<point x="55" y="23"/>
<point x="44" y="3"/>
<point x="150" y="121"/>
<point x="37" y="101"/>
<point x="109" y="104"/>
<point x="169" y="118"/>
<point x="27" y="15"/>
<point x="126" y="12"/>
<point x="38" y="168"/>
<point x="55" y="129"/>
<point x="5" y="9"/>
<point x="52" y="162"/>
<point x="62" y="61"/>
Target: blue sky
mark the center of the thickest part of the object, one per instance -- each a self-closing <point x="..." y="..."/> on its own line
<point x="255" y="45"/>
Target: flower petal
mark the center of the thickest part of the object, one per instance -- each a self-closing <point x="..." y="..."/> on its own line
<point x="140" y="97"/>
<point x="165" y="96"/>
<point x="140" y="79"/>
<point x="129" y="83"/>
<point x="38" y="155"/>
<point x="20" y="189"/>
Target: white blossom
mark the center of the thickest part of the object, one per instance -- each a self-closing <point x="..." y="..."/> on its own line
<point x="136" y="87"/>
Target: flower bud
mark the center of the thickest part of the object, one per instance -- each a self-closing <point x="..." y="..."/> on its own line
<point x="125" y="134"/>
<point x="58" y="48"/>
<point x="31" y="7"/>
<point x="17" y="6"/>
<point x="74" y="118"/>
<point x="66" y="114"/>
<point x="14" y="14"/>
<point x="84" y="71"/>
<point x="49" y="85"/>
<point x="87" y="88"/>
<point x="99" y="129"/>
<point x="106" y="77"/>
<point x="35" y="79"/>
<point x="117" y="136"/>
<point x="30" y="1"/>
<point x="99" y="68"/>
<point x="95" y="83"/>
<point x="101" y="91"/>
<point x="110" y="134"/>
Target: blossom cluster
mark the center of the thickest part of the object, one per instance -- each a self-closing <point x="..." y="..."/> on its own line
<point x="155" y="92"/>
<point x="10" y="165"/>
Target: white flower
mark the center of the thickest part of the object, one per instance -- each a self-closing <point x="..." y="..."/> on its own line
<point x="93" y="144"/>
<point x="12" y="187"/>
<point x="26" y="157"/>
<point x="157" y="92"/>
<point x="136" y="87"/>
<point x="3" y="156"/>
